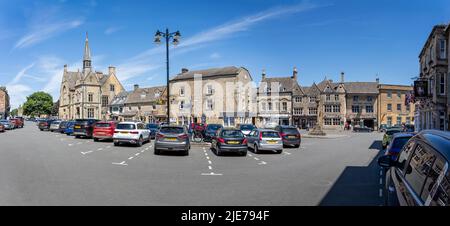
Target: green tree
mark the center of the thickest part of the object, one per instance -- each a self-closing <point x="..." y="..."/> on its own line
<point x="38" y="103"/>
<point x="14" y="112"/>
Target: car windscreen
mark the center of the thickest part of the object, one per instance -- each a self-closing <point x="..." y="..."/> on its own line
<point x="400" y="142"/>
<point x="290" y="130"/>
<point x="232" y="134"/>
<point x="152" y="126"/>
<point x="102" y="125"/>
<point x="175" y="130"/>
<point x="213" y="127"/>
<point x="126" y="126"/>
<point x="392" y="132"/>
<point x="247" y="127"/>
<point x="270" y="134"/>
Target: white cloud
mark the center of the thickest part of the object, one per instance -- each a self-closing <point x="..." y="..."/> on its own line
<point x="215" y="56"/>
<point x="112" y="30"/>
<point x="18" y="94"/>
<point x="142" y="63"/>
<point x="44" y="31"/>
<point x="21" y="74"/>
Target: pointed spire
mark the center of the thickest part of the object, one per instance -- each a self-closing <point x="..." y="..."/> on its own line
<point x="87" y="50"/>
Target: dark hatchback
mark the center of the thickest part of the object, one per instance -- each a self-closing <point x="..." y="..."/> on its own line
<point x="230" y="141"/>
<point x="45" y="124"/>
<point x="420" y="175"/>
<point x="211" y="131"/>
<point x="290" y="136"/>
<point x="84" y="127"/>
<point x="153" y="127"/>
<point x="62" y="126"/>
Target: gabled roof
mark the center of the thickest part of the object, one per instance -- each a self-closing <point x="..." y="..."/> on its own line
<point x="120" y="98"/>
<point x="224" y="71"/>
<point x="286" y="84"/>
<point x="71" y="78"/>
<point x="145" y="95"/>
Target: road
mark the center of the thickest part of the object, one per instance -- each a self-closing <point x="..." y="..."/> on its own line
<point x="43" y="168"/>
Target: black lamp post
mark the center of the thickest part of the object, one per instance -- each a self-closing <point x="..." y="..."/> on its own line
<point x="176" y="40"/>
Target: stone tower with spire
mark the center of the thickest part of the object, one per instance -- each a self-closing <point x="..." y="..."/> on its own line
<point x="87" y="94"/>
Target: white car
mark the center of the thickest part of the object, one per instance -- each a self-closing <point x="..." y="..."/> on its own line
<point x="132" y="133"/>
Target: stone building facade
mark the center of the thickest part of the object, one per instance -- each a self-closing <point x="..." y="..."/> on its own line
<point x="145" y="105"/>
<point x="434" y="69"/>
<point x="274" y="101"/>
<point x="4" y="103"/>
<point x="362" y="102"/>
<point x="393" y="108"/>
<point x="217" y="95"/>
<point x="87" y="93"/>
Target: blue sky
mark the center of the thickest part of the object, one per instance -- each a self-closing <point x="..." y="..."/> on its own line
<point x="322" y="38"/>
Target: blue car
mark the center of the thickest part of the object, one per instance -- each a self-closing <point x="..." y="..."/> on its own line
<point x="69" y="128"/>
<point x="398" y="141"/>
<point x="153" y="127"/>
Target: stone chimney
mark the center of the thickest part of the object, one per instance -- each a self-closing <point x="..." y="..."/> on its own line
<point x="184" y="70"/>
<point x="378" y="80"/>
<point x="342" y="77"/>
<point x="65" y="68"/>
<point x="112" y="70"/>
<point x="136" y="86"/>
<point x="294" y="73"/>
<point x="263" y="74"/>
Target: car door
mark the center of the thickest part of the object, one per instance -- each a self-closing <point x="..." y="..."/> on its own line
<point x="413" y="180"/>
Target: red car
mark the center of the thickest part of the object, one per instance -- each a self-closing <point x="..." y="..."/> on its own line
<point x="104" y="130"/>
<point x="16" y="122"/>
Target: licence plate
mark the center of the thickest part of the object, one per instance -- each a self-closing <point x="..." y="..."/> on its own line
<point x="124" y="132"/>
<point x="233" y="142"/>
<point x="171" y="139"/>
<point x="292" y="137"/>
<point x="77" y="127"/>
<point x="272" y="142"/>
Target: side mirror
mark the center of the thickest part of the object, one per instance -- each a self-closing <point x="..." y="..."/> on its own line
<point x="386" y="161"/>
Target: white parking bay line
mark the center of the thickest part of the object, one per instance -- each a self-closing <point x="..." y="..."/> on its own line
<point x="120" y="163"/>
<point x="100" y="149"/>
<point x="86" y="152"/>
<point x="137" y="154"/>
<point x="257" y="159"/>
<point x="210" y="167"/>
<point x="250" y="155"/>
<point x="210" y="162"/>
<point x="287" y="153"/>
<point x="130" y="158"/>
<point x="142" y="151"/>
<point x="212" y="174"/>
<point x="70" y="144"/>
<point x="262" y="163"/>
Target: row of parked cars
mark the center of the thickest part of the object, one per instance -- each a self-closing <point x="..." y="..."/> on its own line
<point x="178" y="138"/>
<point x="10" y="124"/>
<point x="416" y="167"/>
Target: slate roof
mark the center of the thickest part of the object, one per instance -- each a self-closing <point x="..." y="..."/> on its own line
<point x="287" y="84"/>
<point x="144" y="95"/>
<point x="231" y="71"/>
<point x="361" y="87"/>
<point x="72" y="78"/>
<point x="120" y="98"/>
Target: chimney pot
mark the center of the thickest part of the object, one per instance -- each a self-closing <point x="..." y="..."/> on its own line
<point x="65" y="67"/>
<point x="264" y="74"/>
<point x="294" y="74"/>
<point x="184" y="70"/>
<point x="136" y="86"/>
<point x="342" y="77"/>
<point x="112" y="70"/>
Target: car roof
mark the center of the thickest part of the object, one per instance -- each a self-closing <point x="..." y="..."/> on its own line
<point x="267" y="130"/>
<point x="439" y="140"/>
<point x="288" y="127"/>
<point x="404" y="134"/>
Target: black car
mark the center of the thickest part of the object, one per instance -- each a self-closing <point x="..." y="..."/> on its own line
<point x="420" y="175"/>
<point x="290" y="136"/>
<point x="84" y="127"/>
<point x="211" y="131"/>
<point x="153" y="127"/>
<point x="229" y="140"/>
<point x="62" y="126"/>
<point x="45" y="124"/>
<point x="363" y="129"/>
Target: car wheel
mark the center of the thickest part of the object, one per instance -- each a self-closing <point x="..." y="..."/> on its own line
<point x="279" y="151"/>
<point x="297" y="146"/>
<point x="156" y="151"/>
<point x="218" y="152"/>
<point x="255" y="149"/>
<point x="95" y="139"/>
<point x="186" y="152"/>
<point x="244" y="154"/>
<point x="116" y="143"/>
<point x="140" y="141"/>
<point x="42" y="130"/>
<point x="76" y="136"/>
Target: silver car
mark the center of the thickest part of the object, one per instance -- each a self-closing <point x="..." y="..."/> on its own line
<point x="172" y="138"/>
<point x="265" y="140"/>
<point x="54" y="126"/>
<point x="8" y="125"/>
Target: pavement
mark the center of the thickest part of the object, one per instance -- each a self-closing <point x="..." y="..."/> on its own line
<point x="44" y="168"/>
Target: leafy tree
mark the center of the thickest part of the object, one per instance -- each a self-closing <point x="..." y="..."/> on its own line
<point x="15" y="112"/>
<point x="55" y="108"/>
<point x="38" y="103"/>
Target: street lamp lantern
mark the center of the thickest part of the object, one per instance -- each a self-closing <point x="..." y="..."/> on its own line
<point x="176" y="40"/>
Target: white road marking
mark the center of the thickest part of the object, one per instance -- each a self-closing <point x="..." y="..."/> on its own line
<point x="100" y="149"/>
<point x="79" y="143"/>
<point x="210" y="162"/>
<point x="130" y="158"/>
<point x="142" y="151"/>
<point x="207" y="157"/>
<point x="121" y="163"/>
<point x="108" y="146"/>
<point x="137" y="154"/>
<point x="262" y="163"/>
<point x="257" y="159"/>
<point x="381" y="193"/>
<point x="86" y="152"/>
<point x="210" y="167"/>
<point x="287" y="153"/>
<point x="146" y="149"/>
<point x="212" y="174"/>
<point x="70" y="144"/>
